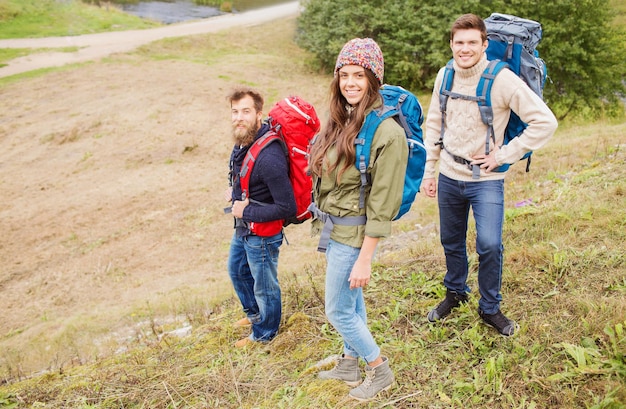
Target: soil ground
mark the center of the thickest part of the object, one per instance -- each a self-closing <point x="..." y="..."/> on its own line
<point x="111" y="199"/>
<point x="112" y="175"/>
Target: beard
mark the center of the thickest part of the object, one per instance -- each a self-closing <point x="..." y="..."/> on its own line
<point x="244" y="137"/>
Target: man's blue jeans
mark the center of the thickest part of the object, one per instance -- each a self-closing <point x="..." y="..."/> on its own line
<point x="486" y="199"/>
<point x="345" y="308"/>
<point x="253" y="270"/>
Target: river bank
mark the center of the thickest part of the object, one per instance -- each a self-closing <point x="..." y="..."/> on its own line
<point x="95" y="46"/>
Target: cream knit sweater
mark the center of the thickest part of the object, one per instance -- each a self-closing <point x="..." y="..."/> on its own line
<point x="465" y="132"/>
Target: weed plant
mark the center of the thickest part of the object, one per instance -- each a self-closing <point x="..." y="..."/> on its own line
<point x="564" y="282"/>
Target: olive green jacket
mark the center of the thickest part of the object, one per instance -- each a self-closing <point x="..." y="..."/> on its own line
<point x="383" y="196"/>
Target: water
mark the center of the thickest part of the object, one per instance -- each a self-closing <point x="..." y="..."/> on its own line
<point x="183" y="10"/>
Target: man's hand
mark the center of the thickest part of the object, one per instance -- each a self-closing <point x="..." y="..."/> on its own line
<point x="238" y="207"/>
<point x="486" y="162"/>
<point x="429" y="187"/>
<point x="228" y="194"/>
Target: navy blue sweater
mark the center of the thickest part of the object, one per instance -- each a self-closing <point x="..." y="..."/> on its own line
<point x="269" y="183"/>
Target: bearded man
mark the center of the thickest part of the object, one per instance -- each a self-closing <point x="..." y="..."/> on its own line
<point x="253" y="258"/>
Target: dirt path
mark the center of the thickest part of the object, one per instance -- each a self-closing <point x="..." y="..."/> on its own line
<point x="94" y="46"/>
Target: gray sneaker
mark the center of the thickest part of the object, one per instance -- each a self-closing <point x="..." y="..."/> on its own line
<point x="346" y="370"/>
<point x="377" y="379"/>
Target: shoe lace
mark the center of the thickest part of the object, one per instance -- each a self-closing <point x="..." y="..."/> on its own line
<point x="369" y="379"/>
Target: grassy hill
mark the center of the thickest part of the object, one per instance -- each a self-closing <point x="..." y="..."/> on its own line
<point x="47" y="18"/>
<point x="564" y="279"/>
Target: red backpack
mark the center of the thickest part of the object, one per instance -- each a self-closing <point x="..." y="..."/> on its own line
<point x="294" y="123"/>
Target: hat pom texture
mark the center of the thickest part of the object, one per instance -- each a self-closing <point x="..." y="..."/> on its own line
<point x="363" y="52"/>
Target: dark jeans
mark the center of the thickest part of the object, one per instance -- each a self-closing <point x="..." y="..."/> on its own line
<point x="253" y="270"/>
<point x="486" y="198"/>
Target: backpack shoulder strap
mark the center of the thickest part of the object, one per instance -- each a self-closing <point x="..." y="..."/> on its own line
<point x="250" y="159"/>
<point x="363" y="141"/>
<point x="446" y="86"/>
<point x="445" y="92"/>
<point x="483" y="90"/>
<point x="483" y="93"/>
<point x="363" y="145"/>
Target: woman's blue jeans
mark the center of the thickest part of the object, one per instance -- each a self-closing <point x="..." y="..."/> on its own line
<point x="345" y="308"/>
<point x="486" y="199"/>
<point x="253" y="270"/>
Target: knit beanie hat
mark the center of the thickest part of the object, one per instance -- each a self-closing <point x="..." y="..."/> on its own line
<point x="365" y="53"/>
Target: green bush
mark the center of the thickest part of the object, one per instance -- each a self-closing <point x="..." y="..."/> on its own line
<point x="584" y="52"/>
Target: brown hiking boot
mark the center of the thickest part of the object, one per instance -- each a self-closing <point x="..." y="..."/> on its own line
<point x="244" y="342"/>
<point x="244" y="322"/>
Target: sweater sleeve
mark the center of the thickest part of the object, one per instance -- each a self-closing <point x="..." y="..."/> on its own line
<point x="270" y="178"/>
<point x="510" y="92"/>
<point x="433" y="130"/>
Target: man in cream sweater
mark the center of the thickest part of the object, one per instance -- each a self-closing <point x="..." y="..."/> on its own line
<point x="466" y="173"/>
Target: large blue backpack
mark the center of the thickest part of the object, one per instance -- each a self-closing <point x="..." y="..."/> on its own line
<point x="405" y="108"/>
<point x="512" y="44"/>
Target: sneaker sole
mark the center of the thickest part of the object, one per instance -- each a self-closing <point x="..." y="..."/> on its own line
<point x="516" y="328"/>
<point x="349" y="383"/>
<point x="385" y="389"/>
<point x="433" y="320"/>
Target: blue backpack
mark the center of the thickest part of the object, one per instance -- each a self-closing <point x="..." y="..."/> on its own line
<point x="405" y="108"/>
<point x="512" y="45"/>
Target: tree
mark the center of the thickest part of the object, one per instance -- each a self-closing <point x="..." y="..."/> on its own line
<point x="584" y="53"/>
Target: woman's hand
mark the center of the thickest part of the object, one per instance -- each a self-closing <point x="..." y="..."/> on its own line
<point x="361" y="273"/>
<point x="362" y="270"/>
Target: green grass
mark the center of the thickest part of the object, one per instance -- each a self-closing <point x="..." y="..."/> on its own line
<point x="620" y="17"/>
<point x="49" y="18"/>
<point x="7" y="54"/>
<point x="564" y="282"/>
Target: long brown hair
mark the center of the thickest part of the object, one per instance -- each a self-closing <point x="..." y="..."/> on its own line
<point x="342" y="127"/>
